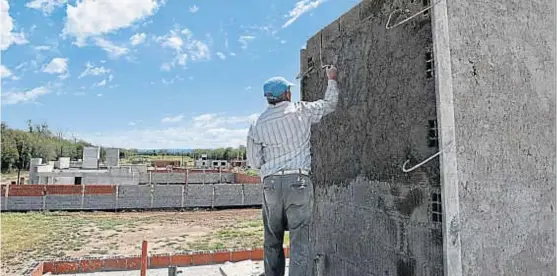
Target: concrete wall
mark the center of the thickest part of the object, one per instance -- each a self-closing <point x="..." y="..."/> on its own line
<point x="101" y="177"/>
<point x="133" y="176"/>
<point x="192" y="178"/>
<point x="499" y="89"/>
<point x="371" y="218"/>
<point x="113" y="197"/>
<point x="112" y="158"/>
<point x="91" y="157"/>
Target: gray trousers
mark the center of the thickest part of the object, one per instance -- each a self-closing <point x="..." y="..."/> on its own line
<point x="287" y="206"/>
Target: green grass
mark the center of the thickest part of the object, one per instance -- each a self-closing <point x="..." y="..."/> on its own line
<point x="252" y="172"/>
<point x="47" y="235"/>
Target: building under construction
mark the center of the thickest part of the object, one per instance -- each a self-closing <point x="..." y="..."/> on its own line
<point x="440" y="158"/>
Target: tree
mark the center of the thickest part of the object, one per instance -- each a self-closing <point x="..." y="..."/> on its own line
<point x="24" y="156"/>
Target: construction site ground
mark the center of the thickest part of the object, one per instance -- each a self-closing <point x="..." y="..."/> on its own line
<point x="27" y="237"/>
<point x="243" y="268"/>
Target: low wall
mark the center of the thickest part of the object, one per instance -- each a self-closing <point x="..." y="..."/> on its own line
<point x="127" y="263"/>
<point x="121" y="197"/>
<point x="201" y="177"/>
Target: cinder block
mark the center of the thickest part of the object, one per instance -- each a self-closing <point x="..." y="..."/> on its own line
<point x="99" y="202"/>
<point x="167" y="196"/>
<point x="134" y="197"/>
<point x="199" y="195"/>
<point x="253" y="194"/>
<point x="63" y="202"/>
<point x="31" y="203"/>
<point x="228" y="195"/>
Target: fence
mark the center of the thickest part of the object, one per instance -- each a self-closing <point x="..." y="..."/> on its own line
<point x="121" y="197"/>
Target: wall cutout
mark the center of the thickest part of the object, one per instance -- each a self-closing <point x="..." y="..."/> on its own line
<point x="432" y="134"/>
<point x="436" y="210"/>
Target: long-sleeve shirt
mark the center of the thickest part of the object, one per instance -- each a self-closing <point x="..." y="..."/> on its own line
<point x="279" y="139"/>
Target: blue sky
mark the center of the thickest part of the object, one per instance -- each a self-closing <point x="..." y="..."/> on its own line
<point x="151" y="73"/>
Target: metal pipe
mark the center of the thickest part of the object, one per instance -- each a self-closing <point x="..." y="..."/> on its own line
<point x="144" y="258"/>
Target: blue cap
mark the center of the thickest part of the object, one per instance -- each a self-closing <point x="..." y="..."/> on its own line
<point x="275" y="87"/>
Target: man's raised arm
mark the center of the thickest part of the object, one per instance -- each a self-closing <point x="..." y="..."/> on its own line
<point x="317" y="109"/>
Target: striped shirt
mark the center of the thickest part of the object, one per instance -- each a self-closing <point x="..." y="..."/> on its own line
<point x="279" y="140"/>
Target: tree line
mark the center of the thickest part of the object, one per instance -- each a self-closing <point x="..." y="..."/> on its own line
<point x="38" y="141"/>
<point x="215" y="154"/>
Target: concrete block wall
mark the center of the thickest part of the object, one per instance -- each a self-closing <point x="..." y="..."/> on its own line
<point x="130" y="197"/>
<point x="119" y="197"/>
<point x="200" y="177"/>
<point x="371" y="218"/>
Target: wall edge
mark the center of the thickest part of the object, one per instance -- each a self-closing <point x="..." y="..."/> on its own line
<point x="452" y="255"/>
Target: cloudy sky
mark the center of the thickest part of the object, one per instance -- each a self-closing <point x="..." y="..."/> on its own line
<point x="151" y="73"/>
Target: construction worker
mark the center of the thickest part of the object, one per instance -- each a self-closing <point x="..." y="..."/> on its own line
<point x="278" y="144"/>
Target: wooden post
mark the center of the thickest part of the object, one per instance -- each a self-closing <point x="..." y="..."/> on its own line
<point x="144" y="258"/>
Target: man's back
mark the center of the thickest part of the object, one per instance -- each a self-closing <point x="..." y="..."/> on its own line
<point x="284" y="132"/>
<point x="279" y="140"/>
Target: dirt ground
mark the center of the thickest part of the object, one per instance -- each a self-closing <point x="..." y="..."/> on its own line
<point x="34" y="236"/>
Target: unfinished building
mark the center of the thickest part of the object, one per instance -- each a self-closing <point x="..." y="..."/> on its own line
<point x="451" y="83"/>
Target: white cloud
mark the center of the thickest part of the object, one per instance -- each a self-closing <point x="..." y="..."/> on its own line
<point x="113" y="50"/>
<point x="204" y="131"/>
<point x="96" y="17"/>
<point x="4" y="72"/>
<point x="174" y="119"/>
<point x="99" y="95"/>
<point x="42" y="48"/>
<point x="299" y="9"/>
<point x="211" y="120"/>
<point x="248" y="88"/>
<point x="57" y="66"/>
<point x="283" y="42"/>
<point x="46" y="6"/>
<point x="7" y="36"/>
<point x="101" y="83"/>
<point x="194" y="9"/>
<point x="199" y="51"/>
<point x="185" y="48"/>
<point x="221" y="55"/>
<point x="173" y="41"/>
<point x="245" y="40"/>
<point x="232" y="54"/>
<point x="91" y="70"/>
<point x="137" y="39"/>
<point x="9" y="98"/>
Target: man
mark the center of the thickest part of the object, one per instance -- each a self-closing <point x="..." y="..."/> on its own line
<point x="278" y="144"/>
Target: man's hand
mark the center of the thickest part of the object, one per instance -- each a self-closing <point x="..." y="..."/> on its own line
<point x="331" y="72"/>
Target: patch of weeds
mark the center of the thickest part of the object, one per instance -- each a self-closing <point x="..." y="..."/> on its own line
<point x="98" y="252"/>
<point x="218" y="245"/>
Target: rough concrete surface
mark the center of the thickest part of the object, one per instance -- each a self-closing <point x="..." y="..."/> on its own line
<point x="503" y="70"/>
<point x="371" y="218"/>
